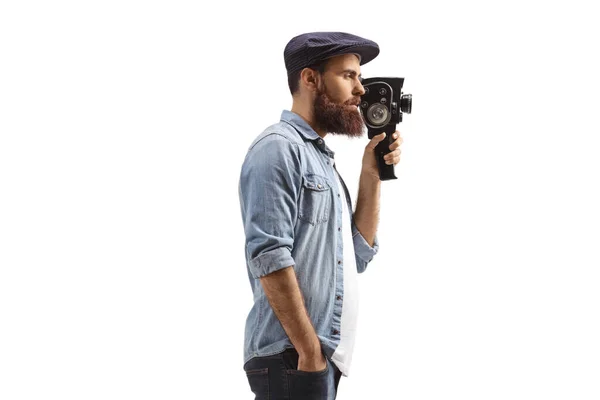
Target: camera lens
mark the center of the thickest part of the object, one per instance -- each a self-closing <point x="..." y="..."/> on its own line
<point x="378" y="114"/>
<point x="406" y="103"/>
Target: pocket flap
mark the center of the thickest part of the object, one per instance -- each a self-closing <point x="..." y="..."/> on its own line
<point x="315" y="182"/>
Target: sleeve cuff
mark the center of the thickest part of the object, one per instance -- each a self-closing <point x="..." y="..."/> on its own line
<point x="362" y="248"/>
<point x="270" y="261"/>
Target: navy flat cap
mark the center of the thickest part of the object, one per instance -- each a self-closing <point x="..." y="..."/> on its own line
<point x="309" y="48"/>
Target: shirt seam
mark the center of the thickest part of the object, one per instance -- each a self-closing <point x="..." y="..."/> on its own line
<point x="274" y="133"/>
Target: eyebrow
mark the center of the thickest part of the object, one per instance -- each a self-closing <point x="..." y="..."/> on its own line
<point x="351" y="71"/>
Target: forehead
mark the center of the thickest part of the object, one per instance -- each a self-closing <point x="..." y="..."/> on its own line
<point x="345" y="61"/>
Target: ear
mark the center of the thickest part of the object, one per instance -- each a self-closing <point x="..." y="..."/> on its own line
<point x="310" y="79"/>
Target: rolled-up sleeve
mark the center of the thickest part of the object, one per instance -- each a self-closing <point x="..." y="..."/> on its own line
<point x="268" y="189"/>
<point x="363" y="251"/>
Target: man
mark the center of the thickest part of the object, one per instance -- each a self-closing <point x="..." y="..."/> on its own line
<point x="304" y="246"/>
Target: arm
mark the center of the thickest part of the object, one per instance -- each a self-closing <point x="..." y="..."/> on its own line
<point x="365" y="220"/>
<point x="286" y="299"/>
<point x="366" y="215"/>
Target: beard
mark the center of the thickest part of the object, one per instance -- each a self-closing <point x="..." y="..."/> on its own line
<point x="341" y="119"/>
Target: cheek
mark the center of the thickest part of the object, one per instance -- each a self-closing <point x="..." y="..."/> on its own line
<point x="340" y="96"/>
<point x="340" y="91"/>
<point x="336" y="92"/>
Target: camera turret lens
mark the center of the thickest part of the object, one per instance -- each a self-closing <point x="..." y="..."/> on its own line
<point x="406" y="103"/>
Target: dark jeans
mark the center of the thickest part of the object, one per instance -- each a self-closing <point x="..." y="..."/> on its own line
<point x="277" y="377"/>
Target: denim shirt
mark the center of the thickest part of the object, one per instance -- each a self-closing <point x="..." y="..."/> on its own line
<point x="292" y="213"/>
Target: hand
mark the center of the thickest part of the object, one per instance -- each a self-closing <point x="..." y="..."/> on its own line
<point x="369" y="162"/>
<point x="316" y="363"/>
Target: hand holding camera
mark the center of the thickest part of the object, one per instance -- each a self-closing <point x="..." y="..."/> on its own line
<point x="382" y="106"/>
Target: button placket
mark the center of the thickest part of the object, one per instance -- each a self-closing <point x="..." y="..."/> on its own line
<point x="339" y="264"/>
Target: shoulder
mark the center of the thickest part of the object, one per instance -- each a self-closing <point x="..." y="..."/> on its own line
<point x="280" y="134"/>
<point x="279" y="147"/>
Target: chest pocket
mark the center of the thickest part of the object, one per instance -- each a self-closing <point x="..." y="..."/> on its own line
<point x="315" y="199"/>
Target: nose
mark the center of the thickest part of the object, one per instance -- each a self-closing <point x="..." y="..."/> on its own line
<point x="360" y="90"/>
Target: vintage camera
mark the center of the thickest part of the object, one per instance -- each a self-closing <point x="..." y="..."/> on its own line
<point x="382" y="106"/>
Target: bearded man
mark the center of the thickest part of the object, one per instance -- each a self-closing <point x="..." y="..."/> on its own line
<point x="305" y="246"/>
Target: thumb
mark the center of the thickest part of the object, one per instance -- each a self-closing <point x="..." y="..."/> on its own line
<point x="376" y="139"/>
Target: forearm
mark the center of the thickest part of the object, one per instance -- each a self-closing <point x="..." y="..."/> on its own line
<point x="366" y="216"/>
<point x="285" y="298"/>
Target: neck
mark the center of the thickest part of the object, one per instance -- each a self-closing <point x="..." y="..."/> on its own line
<point x="305" y="111"/>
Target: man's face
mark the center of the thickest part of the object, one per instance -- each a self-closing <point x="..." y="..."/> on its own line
<point x="338" y="95"/>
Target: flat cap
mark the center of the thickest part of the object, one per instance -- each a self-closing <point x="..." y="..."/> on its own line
<point x="309" y="48"/>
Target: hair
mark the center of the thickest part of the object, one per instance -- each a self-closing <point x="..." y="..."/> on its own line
<point x="294" y="77"/>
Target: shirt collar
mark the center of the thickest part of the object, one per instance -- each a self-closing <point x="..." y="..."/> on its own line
<point x="300" y="124"/>
<point x="305" y="130"/>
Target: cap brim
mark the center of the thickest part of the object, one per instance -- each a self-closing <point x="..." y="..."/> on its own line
<point x="365" y="53"/>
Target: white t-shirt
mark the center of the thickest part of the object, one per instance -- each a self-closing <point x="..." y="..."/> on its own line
<point x="342" y="357"/>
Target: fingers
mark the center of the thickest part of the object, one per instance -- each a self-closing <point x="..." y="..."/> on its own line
<point x="393" y="157"/>
<point x="397" y="142"/>
<point x="394" y="147"/>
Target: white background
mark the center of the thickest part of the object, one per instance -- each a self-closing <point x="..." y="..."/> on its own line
<point x="123" y="129"/>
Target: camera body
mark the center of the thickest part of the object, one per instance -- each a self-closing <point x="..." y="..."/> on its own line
<point x="382" y="106"/>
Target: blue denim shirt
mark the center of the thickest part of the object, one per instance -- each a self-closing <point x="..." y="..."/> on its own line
<point x="291" y="211"/>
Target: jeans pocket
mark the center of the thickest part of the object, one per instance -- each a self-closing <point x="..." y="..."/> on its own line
<point x="308" y="385"/>
<point x="315" y="199"/>
<point x="259" y="383"/>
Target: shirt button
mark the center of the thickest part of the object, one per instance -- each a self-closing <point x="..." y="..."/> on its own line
<point x="339" y="229"/>
<point x="338" y="195"/>
<point x="339" y="261"/>
<point x="339" y="297"/>
<point x="319" y="186"/>
<point x="335" y="331"/>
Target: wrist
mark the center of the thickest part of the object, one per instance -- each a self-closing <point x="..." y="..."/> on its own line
<point x="310" y="351"/>
<point x="369" y="178"/>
